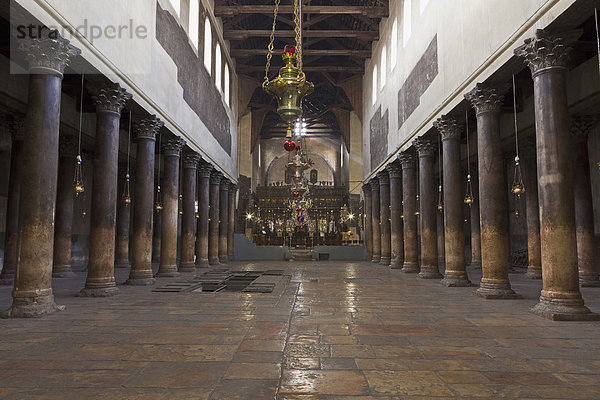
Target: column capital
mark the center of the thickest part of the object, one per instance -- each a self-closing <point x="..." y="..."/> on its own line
<point x="374" y="184"/>
<point x="68" y="146"/>
<point x="485" y="99"/>
<point x="173" y="147"/>
<point x="112" y="99"/>
<point x="448" y="127"/>
<point x="215" y="177"/>
<point x="232" y="187"/>
<point x="425" y="146"/>
<point x="16" y="126"/>
<point x="148" y="128"/>
<point x="545" y="50"/>
<point x="367" y="188"/>
<point x="581" y="125"/>
<point x="407" y="159"/>
<point x="191" y="160"/>
<point x="49" y="55"/>
<point x="395" y="170"/>
<point x="225" y="185"/>
<point x="204" y="170"/>
<point x="384" y="177"/>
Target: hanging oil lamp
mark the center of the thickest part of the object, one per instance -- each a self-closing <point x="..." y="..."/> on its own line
<point x="180" y="204"/>
<point x="78" y="186"/>
<point x="469" y="199"/>
<point x="158" y="204"/>
<point x="440" y="206"/>
<point x="518" y="187"/>
<point x="290" y="86"/>
<point x="127" y="188"/>
<point x="418" y="211"/>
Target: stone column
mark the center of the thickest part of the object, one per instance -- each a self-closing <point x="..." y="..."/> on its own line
<point x="231" y="226"/>
<point x="427" y="150"/>
<point x="409" y="207"/>
<point x="456" y="273"/>
<point x="204" y="172"/>
<point x="584" y="206"/>
<point x="492" y="192"/>
<point x="63" y="220"/>
<point x="141" y="256"/>
<point x="223" y="219"/>
<point x="213" y="225"/>
<point x="188" y="220"/>
<point x="170" y="213"/>
<point x="397" y="240"/>
<point x="475" y="222"/>
<point x="560" y="298"/>
<point x="384" y="217"/>
<point x="16" y="125"/>
<point x="101" y="267"/>
<point x="123" y="221"/>
<point x="534" y="251"/>
<point x="368" y="202"/>
<point x="441" y="239"/>
<point x="32" y="294"/>
<point x="375" y="220"/>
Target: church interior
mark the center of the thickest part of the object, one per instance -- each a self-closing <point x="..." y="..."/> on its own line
<point x="300" y="199"/>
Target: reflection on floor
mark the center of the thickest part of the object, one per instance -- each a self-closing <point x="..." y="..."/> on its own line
<point x="329" y="330"/>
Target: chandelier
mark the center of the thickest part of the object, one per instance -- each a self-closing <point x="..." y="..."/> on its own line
<point x="290" y="86"/>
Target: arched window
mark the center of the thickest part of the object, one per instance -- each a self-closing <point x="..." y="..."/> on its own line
<point x="407" y="21"/>
<point x="194" y="22"/>
<point x="207" y="46"/>
<point x="177" y="6"/>
<point x="394" y="45"/>
<point x="227" y="83"/>
<point x="218" y="66"/>
<point x="374" y="85"/>
<point x="383" y="67"/>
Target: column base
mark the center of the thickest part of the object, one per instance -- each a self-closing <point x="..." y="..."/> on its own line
<point x="533" y="272"/>
<point x="223" y="260"/>
<point x="107" y="291"/>
<point x="410" y="268"/>
<point x="396" y="264"/>
<point x="384" y="261"/>
<point x="497" y="293"/>
<point x="375" y="259"/>
<point x="589" y="281"/>
<point x="475" y="265"/>
<point x="62" y="271"/>
<point x="563" y="310"/>
<point x="187" y="267"/>
<point x="122" y="264"/>
<point x="140" y="278"/>
<point x="7" y="280"/>
<point x="429" y="273"/>
<point x="167" y="274"/>
<point x="456" y="280"/>
<point x="214" y="261"/>
<point x="202" y="264"/>
<point x="32" y="307"/>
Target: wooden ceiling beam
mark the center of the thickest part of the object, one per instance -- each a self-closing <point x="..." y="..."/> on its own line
<point x="307" y="52"/>
<point x="245" y="34"/>
<point x="370" y="12"/>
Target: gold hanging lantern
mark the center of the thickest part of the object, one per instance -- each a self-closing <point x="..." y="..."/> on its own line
<point x="158" y="204"/>
<point x="518" y="187"/>
<point x="290" y="86"/>
<point x="180" y="204"/>
<point x="418" y="211"/>
<point x="127" y="191"/>
<point x="78" y="186"/>
<point x="469" y="196"/>
<point x="440" y="205"/>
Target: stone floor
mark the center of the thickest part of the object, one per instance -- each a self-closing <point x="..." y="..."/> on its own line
<point x="332" y="330"/>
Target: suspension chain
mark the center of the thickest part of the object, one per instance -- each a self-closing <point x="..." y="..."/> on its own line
<point x="271" y="41"/>
<point x="298" y="30"/>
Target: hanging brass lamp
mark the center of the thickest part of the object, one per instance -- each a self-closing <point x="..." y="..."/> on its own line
<point x="290" y="86"/>
<point x="518" y="187"/>
<point x="469" y="196"/>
